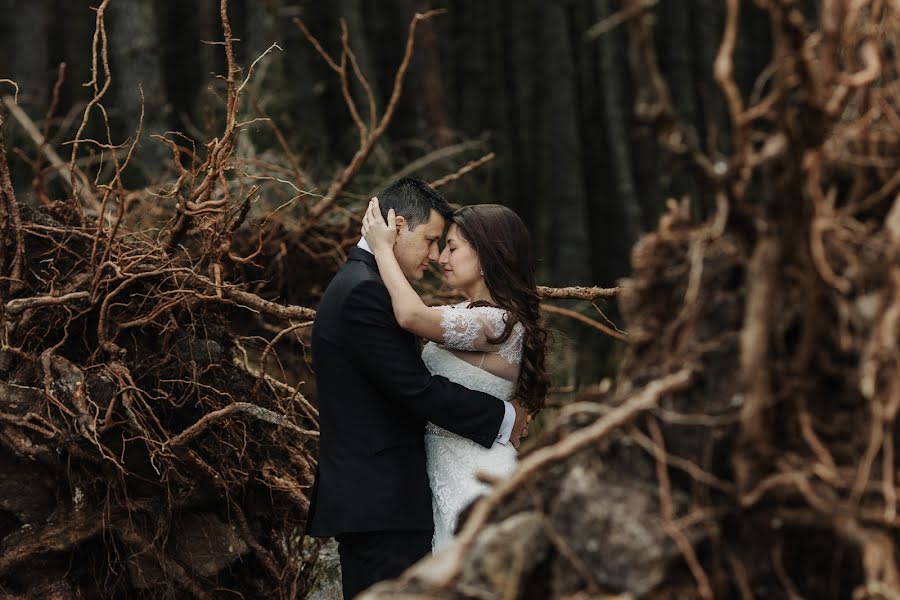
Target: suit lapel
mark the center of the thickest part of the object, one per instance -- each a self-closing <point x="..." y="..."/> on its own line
<point x="357" y="253"/>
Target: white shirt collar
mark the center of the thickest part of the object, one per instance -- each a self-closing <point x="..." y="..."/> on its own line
<point x="364" y="245"/>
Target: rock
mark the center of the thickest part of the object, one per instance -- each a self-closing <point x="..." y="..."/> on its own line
<point x="202" y="351"/>
<point x="58" y="590"/>
<point x="205" y="544"/>
<point x="612" y="523"/>
<point x="505" y="562"/>
<point x="23" y="492"/>
<point x="325" y="578"/>
<point x="144" y="572"/>
<point x="506" y="555"/>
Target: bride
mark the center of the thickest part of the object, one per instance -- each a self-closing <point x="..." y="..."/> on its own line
<point x="494" y="342"/>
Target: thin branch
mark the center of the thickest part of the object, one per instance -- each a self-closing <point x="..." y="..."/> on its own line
<point x="425" y="161"/>
<point x="365" y="148"/>
<point x="578" y="293"/>
<point x="565" y="312"/>
<point x="668" y="514"/>
<point x="463" y="170"/>
<point x="59" y="167"/>
<point x="14" y="307"/>
<point x="253" y="410"/>
<point x="247" y="299"/>
<point x="100" y="41"/>
<point x="631" y="11"/>
<point x="15" y="85"/>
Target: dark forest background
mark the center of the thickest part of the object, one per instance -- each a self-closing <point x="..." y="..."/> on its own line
<point x="527" y="79"/>
<point x="158" y="421"/>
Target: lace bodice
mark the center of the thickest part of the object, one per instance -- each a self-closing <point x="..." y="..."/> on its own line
<point x="468" y="330"/>
<point x="440" y="361"/>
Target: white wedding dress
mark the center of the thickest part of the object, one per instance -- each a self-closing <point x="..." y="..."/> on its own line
<point x="467" y="358"/>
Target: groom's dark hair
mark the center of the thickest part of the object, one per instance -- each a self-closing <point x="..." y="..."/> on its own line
<point x="413" y="199"/>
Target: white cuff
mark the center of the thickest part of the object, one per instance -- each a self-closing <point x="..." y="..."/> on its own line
<point x="506" y="427"/>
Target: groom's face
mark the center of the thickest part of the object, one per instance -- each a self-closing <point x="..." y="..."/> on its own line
<point x="415" y="249"/>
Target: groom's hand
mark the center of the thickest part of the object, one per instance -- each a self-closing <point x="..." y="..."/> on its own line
<point x="520" y="427"/>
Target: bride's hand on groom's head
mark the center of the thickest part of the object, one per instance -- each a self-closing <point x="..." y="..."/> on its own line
<point x="378" y="233"/>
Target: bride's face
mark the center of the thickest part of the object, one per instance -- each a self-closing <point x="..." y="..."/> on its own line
<point x="459" y="261"/>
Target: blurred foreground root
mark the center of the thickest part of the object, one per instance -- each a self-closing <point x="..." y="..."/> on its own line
<point x="748" y="447"/>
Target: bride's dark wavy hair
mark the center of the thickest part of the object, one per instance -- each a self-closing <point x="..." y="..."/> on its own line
<point x="503" y="246"/>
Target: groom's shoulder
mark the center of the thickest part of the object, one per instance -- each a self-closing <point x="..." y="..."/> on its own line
<point x="353" y="290"/>
<point x="355" y="278"/>
<point x="355" y="273"/>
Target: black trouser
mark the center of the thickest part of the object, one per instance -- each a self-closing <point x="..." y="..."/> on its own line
<point x="367" y="558"/>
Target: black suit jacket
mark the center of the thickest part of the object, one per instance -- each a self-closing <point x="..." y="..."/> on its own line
<point x="375" y="395"/>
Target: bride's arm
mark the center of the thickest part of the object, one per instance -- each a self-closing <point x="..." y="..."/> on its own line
<point x="411" y="313"/>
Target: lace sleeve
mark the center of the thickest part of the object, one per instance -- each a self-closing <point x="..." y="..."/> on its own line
<point x="469" y="329"/>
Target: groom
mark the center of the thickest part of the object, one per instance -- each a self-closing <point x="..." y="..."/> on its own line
<point x="375" y="395"/>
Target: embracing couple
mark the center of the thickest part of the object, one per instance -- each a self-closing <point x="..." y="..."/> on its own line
<point x="404" y="431"/>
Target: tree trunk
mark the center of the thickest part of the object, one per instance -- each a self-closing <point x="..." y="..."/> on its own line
<point x="6" y="33"/>
<point x="622" y="209"/>
<point x="192" y="63"/>
<point x="600" y="189"/>
<point x="524" y="83"/>
<point x="428" y="76"/>
<point x="134" y="44"/>
<point x="561" y="177"/>
<point x="502" y="169"/>
<point x="267" y="91"/>
<point x="677" y="63"/>
<point x="352" y="12"/>
<point x="206" y="26"/>
<point x="75" y="49"/>
<point x="710" y="21"/>
<point x="306" y="126"/>
<point x="31" y="67"/>
<point x="471" y="40"/>
<point x="754" y="47"/>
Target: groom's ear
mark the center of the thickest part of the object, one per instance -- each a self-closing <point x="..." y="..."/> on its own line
<point x="400" y="221"/>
